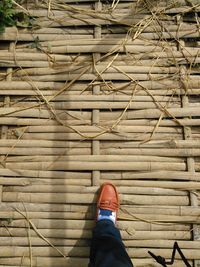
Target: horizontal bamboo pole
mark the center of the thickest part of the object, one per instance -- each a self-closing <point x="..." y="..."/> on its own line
<point x="162" y="218"/>
<point x="98" y="129"/>
<point x="103" y="48"/>
<point x="195" y="144"/>
<point x="14" y="181"/>
<point x="190" y="54"/>
<point x="147" y="213"/>
<point x="72" y="154"/>
<point x="38" y="113"/>
<point x="100" y="105"/>
<point x="73" y="211"/>
<point x="42" y="37"/>
<point x="125" y="213"/>
<point x="158" y="174"/>
<point x="90" y="198"/>
<point x="45" y="64"/>
<point x="63" y="182"/>
<point x="153" y="85"/>
<point x="70" y="261"/>
<point x="88" y="77"/>
<point x="39" y="56"/>
<point x="156" y="113"/>
<point x="165" y="152"/>
<point x="45" y="174"/>
<point x="188" y="186"/>
<point x="102" y="41"/>
<point x="96" y="41"/>
<point x="74" y="224"/>
<point x="161" y="210"/>
<point x="158" y="93"/>
<point x="44" y="143"/>
<point x="36" y="241"/>
<point x="113" y="98"/>
<point x="83" y="234"/>
<point x="108" y="98"/>
<point x="103" y="165"/>
<point x="82" y="216"/>
<point x="143" y="114"/>
<point x="60" y="153"/>
<point x="83" y="189"/>
<point x="65" y="211"/>
<point x="84" y="252"/>
<point x="32" y="122"/>
<point x="49" y="207"/>
<point x="103" y="136"/>
<point x="139" y="122"/>
<point x="175" y="144"/>
<point x="101" y="67"/>
<point x="28" y="86"/>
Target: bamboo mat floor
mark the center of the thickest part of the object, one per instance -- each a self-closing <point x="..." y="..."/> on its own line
<point x="99" y="91"/>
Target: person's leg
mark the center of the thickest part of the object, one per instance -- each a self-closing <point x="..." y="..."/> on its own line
<point x="107" y="249"/>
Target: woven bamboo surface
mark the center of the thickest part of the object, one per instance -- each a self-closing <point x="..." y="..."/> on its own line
<point x="91" y="92"/>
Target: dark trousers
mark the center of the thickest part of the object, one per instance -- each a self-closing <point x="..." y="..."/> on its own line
<point x="107" y="249"/>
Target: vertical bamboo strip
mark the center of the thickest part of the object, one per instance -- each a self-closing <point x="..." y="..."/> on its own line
<point x="4" y="129"/>
<point x="95" y="112"/>
<point x="190" y="160"/>
<point x="191" y="168"/>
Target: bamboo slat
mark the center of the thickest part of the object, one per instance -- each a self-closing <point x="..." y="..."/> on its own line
<point x="45" y="261"/>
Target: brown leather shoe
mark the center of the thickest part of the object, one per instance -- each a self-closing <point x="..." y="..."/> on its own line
<point x="108" y="198"/>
